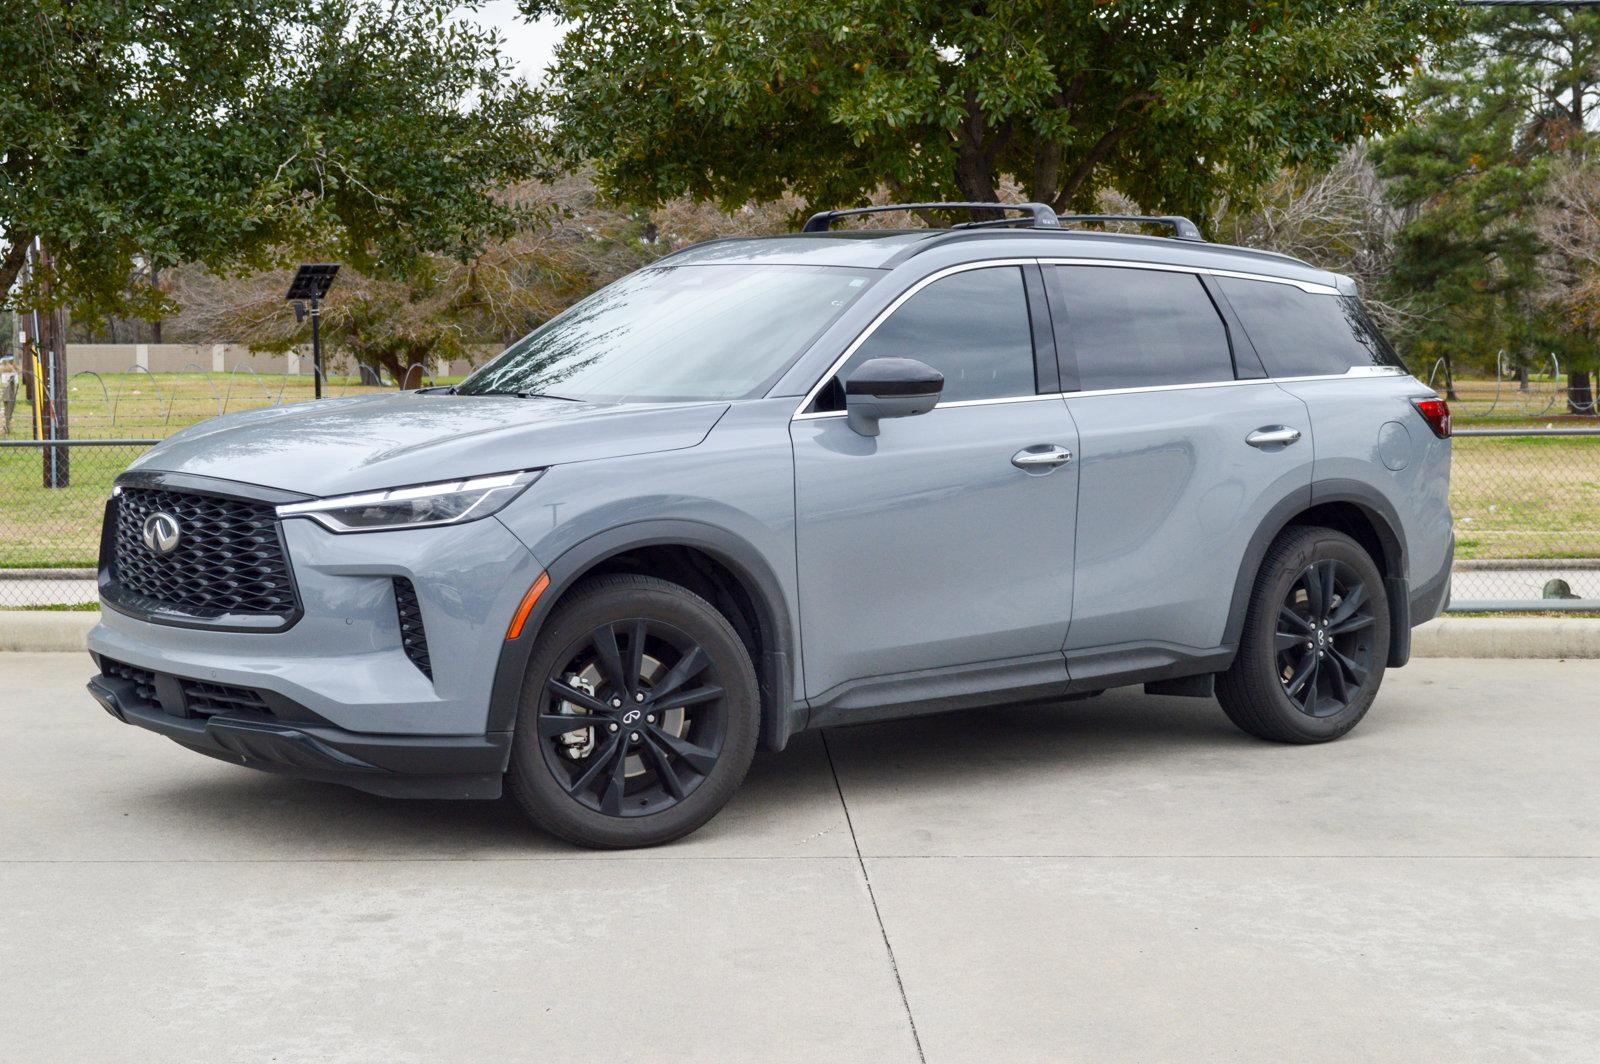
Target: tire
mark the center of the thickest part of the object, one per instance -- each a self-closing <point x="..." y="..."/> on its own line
<point x="1310" y="662"/>
<point x="675" y="706"/>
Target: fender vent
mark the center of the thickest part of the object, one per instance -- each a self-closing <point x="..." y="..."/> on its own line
<point x="413" y="637"/>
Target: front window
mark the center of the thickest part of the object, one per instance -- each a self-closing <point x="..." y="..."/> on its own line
<point x="676" y="333"/>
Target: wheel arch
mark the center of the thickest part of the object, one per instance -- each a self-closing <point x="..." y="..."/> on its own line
<point x="1360" y="512"/>
<point x="714" y="563"/>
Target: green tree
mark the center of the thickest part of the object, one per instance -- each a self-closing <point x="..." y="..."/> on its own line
<point x="1512" y="103"/>
<point x="241" y="134"/>
<point x="830" y="100"/>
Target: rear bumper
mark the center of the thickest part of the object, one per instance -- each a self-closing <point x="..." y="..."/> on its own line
<point x="265" y="731"/>
<point x="1430" y="599"/>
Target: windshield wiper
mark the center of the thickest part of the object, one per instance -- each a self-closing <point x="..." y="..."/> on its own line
<point x="525" y="395"/>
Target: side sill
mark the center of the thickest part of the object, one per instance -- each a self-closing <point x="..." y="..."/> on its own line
<point x="1123" y="664"/>
<point x="914" y="694"/>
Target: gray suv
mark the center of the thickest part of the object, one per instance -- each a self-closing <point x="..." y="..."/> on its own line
<point x="767" y="485"/>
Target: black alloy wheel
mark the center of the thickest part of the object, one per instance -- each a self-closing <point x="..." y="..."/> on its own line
<point x="634" y="720"/>
<point x="1315" y="641"/>
<point x="1324" y="655"/>
<point x="639" y="716"/>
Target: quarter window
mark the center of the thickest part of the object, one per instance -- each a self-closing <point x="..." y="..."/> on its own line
<point x="1134" y="328"/>
<point x="1303" y="334"/>
<point x="971" y="326"/>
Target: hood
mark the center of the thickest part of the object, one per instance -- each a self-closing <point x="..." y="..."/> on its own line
<point x="364" y="443"/>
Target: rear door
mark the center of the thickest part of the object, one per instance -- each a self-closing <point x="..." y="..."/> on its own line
<point x="1183" y="449"/>
<point x="1370" y="443"/>
<point x="926" y="547"/>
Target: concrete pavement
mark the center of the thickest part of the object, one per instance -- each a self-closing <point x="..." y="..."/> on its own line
<point x="1126" y="878"/>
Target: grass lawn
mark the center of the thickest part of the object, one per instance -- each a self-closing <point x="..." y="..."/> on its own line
<point x="151" y="405"/>
<point x="1526" y="496"/>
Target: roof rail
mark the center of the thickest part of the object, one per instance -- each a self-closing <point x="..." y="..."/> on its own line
<point x="1044" y="216"/>
<point x="1182" y="228"/>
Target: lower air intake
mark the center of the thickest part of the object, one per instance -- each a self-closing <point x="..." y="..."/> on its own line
<point x="413" y="637"/>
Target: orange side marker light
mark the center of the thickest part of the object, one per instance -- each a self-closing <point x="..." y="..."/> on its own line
<point x="525" y="607"/>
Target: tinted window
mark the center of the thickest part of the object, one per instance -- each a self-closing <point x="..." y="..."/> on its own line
<point x="1302" y="334"/>
<point x="676" y="333"/>
<point x="1131" y="328"/>
<point x="970" y="326"/>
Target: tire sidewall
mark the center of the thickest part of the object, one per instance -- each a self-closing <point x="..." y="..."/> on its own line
<point x="613" y="599"/>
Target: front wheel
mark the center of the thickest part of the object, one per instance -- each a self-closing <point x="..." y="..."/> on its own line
<point x="1315" y="640"/>
<point x="639" y="715"/>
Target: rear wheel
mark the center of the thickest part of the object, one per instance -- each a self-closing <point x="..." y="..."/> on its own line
<point x="638" y="717"/>
<point x="1315" y="640"/>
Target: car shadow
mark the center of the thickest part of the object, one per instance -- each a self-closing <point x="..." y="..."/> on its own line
<point x="1122" y="730"/>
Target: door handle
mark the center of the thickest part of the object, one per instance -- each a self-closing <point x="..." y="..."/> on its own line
<point x="1041" y="457"/>
<point x="1271" y="434"/>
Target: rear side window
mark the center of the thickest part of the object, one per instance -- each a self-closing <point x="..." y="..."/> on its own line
<point x="1303" y="334"/>
<point x="971" y="326"/>
<point x="1132" y="328"/>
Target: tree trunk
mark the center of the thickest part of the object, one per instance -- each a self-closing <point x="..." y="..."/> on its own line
<point x="155" y="324"/>
<point x="1580" y="392"/>
<point x="1522" y="378"/>
<point x="1449" y="381"/>
<point x="11" y="262"/>
<point x="975" y="161"/>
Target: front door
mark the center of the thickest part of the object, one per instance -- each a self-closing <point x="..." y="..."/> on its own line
<point x="930" y="546"/>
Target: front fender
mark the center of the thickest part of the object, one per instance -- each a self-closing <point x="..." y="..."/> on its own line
<point x="782" y="715"/>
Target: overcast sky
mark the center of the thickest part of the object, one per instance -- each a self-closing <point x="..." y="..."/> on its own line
<point x="528" y="44"/>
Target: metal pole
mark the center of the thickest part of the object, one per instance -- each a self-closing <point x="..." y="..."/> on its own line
<point x="316" y="347"/>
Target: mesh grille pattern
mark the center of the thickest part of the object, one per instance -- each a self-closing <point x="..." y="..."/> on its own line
<point x="229" y="557"/>
<point x="208" y="698"/>
<point x="412" y="636"/>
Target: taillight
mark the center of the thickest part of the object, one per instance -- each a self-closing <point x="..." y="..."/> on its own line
<point x="1436" y="412"/>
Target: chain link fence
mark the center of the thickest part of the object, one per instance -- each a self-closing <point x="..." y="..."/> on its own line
<point x="1526" y="503"/>
<point x="50" y="537"/>
<point x="1527" y="512"/>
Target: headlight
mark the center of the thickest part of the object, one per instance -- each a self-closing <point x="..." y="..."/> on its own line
<point x="423" y="506"/>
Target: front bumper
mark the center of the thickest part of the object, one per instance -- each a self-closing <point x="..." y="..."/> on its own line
<point x="345" y="659"/>
<point x="263" y="730"/>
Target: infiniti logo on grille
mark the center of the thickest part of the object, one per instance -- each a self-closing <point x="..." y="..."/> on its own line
<point x="161" y="533"/>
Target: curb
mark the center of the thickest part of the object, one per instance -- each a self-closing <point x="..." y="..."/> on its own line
<point x="1507" y="637"/>
<point x="46" y="630"/>
<point x="1444" y="637"/>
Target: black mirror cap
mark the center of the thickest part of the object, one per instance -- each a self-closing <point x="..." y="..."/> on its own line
<point x="894" y="377"/>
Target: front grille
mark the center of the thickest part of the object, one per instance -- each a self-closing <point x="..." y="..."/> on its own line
<point x="229" y="558"/>
<point x="413" y="637"/>
<point x="206" y="699"/>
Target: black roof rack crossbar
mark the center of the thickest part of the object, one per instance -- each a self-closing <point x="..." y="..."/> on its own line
<point x="1182" y="228"/>
<point x="1044" y="216"/>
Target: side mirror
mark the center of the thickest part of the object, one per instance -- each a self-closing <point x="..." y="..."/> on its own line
<point x="889" y="387"/>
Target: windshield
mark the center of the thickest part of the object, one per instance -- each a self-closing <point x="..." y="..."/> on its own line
<point x="676" y="333"/>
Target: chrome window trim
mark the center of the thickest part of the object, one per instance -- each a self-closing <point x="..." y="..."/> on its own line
<point x="801" y="414"/>
<point x="1356" y="371"/>
<point x="1311" y="287"/>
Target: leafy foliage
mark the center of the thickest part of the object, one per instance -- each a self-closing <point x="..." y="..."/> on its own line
<point x="1169" y="104"/>
<point x="1501" y="112"/>
<point x="447" y="309"/>
<point x="245" y="133"/>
